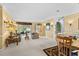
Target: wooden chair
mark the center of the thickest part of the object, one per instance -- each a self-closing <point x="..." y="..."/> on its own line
<point x="64" y="45"/>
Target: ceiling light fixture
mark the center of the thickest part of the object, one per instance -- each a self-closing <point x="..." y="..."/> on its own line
<point x="57" y="10"/>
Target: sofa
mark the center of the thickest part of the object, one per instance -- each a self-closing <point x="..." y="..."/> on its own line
<point x="35" y="35"/>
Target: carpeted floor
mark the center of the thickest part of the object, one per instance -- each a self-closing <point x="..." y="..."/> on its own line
<point x="31" y="47"/>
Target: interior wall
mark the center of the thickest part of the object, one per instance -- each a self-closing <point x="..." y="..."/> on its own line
<point x="33" y="27"/>
<point x="50" y="34"/>
<point x="0" y="27"/>
<point x="42" y="30"/>
<point x="5" y="32"/>
<point x="73" y="28"/>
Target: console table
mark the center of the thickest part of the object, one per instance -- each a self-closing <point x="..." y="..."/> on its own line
<point x="12" y="39"/>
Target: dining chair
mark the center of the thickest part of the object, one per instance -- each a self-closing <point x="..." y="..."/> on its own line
<point x="64" y="45"/>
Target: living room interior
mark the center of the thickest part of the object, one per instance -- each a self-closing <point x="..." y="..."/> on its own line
<point x="39" y="29"/>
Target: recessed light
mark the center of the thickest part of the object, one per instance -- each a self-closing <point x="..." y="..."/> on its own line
<point x="57" y="10"/>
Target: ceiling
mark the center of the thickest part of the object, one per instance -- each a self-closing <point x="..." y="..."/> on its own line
<point x="40" y="11"/>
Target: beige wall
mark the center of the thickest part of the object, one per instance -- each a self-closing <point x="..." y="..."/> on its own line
<point x="33" y="27"/>
<point x="0" y="27"/>
<point x="6" y="16"/>
<point x="3" y="30"/>
<point x="73" y="19"/>
<point x="50" y="34"/>
<point x="42" y="30"/>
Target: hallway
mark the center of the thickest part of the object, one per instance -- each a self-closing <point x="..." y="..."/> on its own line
<point x="31" y="47"/>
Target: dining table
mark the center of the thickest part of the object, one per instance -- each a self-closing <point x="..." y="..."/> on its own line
<point x="74" y="44"/>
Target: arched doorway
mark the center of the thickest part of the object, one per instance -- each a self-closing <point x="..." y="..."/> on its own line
<point x="58" y="27"/>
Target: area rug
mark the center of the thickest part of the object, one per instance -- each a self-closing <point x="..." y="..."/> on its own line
<point x="52" y="51"/>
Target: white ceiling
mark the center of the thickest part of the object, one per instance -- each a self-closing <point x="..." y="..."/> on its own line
<point x="40" y="11"/>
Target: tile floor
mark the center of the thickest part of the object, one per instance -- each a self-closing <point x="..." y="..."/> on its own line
<point x="31" y="47"/>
